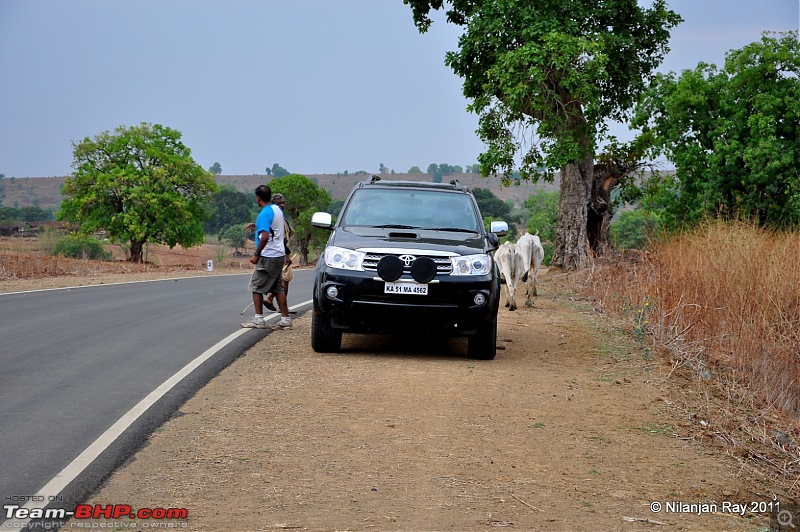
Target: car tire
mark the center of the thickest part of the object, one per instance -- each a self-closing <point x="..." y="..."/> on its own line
<point x="324" y="338"/>
<point x="483" y="344"/>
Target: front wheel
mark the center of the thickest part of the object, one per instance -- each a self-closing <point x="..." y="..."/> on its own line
<point x="483" y="344"/>
<point x="324" y="338"/>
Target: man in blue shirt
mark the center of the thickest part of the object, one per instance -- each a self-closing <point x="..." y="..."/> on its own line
<point x="268" y="259"/>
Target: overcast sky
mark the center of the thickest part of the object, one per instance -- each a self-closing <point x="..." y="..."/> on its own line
<point x="317" y="86"/>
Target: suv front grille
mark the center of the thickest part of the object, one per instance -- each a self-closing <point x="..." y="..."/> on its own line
<point x="443" y="264"/>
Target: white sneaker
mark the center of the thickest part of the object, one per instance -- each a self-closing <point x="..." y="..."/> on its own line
<point x="255" y="324"/>
<point x="285" y="323"/>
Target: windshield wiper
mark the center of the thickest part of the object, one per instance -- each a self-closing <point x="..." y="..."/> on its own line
<point x="396" y="226"/>
<point x="457" y="229"/>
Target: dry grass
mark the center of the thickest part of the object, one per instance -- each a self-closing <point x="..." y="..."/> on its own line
<point x="725" y="299"/>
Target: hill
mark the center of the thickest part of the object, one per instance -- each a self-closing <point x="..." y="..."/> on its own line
<point x="45" y="192"/>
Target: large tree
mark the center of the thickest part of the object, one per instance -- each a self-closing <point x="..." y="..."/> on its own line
<point x="544" y="77"/>
<point x="139" y="184"/>
<point x="303" y="198"/>
<point x="228" y="207"/>
<point x="732" y="135"/>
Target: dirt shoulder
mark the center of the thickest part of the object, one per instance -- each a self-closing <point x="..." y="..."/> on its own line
<point x="571" y="427"/>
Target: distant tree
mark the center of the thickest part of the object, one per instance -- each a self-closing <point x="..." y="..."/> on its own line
<point x="490" y="205"/>
<point x="228" y="207"/>
<point x="141" y="185"/>
<point x="414" y="170"/>
<point x="235" y="236"/>
<point x="432" y="169"/>
<point x="279" y="171"/>
<point x="382" y="169"/>
<point x="335" y="207"/>
<point x="268" y="170"/>
<point x="303" y="199"/>
<point x="215" y="169"/>
<point x="733" y="135"/>
<point x="437" y="178"/>
<point x="10" y="216"/>
<point x="33" y="213"/>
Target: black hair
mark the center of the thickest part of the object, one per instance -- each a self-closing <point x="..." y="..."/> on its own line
<point x="264" y="192"/>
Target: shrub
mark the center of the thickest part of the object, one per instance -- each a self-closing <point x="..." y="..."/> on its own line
<point x="634" y="229"/>
<point x="80" y="247"/>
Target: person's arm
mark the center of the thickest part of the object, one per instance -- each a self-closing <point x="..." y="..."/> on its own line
<point x="261" y="240"/>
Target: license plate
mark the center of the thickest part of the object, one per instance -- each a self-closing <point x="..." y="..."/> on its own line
<point x="406" y="288"/>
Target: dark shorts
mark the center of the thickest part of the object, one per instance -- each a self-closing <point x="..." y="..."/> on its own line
<point x="267" y="278"/>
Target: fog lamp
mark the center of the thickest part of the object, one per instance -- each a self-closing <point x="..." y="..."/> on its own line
<point x="332" y="292"/>
<point x="479" y="299"/>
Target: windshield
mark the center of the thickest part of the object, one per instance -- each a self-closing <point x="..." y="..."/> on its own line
<point x="411" y="209"/>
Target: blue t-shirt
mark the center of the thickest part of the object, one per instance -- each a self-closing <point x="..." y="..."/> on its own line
<point x="263" y="223"/>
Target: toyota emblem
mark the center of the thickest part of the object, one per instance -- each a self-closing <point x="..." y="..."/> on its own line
<point x="407" y="260"/>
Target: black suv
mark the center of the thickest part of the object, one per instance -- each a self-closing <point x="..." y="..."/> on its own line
<point x="407" y="257"/>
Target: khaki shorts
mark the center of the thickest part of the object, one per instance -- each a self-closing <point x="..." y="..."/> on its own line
<point x="267" y="278"/>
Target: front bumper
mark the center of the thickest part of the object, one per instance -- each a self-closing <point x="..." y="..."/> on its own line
<point x="362" y="306"/>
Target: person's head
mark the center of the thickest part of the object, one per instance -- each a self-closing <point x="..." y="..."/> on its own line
<point x="278" y="200"/>
<point x="263" y="195"/>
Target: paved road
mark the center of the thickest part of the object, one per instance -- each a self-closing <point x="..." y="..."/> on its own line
<point x="73" y="361"/>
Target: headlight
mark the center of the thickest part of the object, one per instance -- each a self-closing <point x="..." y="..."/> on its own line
<point x="345" y="259"/>
<point x="471" y="265"/>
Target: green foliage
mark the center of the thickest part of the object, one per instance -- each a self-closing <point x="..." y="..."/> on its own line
<point x="335" y="207"/>
<point x="10" y="216"/>
<point x="80" y="247"/>
<point x="27" y="213"/>
<point x="543" y="208"/>
<point x="732" y="135"/>
<point x="228" y="207"/>
<point x="438" y="171"/>
<point x="34" y="213"/>
<point x="234" y="235"/>
<point x="141" y="185"/>
<point x="414" y="170"/>
<point x="491" y="205"/>
<point x="277" y="171"/>
<point x="303" y="198"/>
<point x="554" y="69"/>
<point x="634" y="229"/>
<point x="215" y="169"/>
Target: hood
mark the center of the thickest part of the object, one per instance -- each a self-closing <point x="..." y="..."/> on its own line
<point x="376" y="237"/>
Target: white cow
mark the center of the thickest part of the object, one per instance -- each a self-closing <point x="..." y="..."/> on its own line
<point x="512" y="267"/>
<point x="530" y="247"/>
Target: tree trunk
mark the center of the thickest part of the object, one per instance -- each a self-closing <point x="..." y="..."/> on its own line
<point x="600" y="212"/>
<point x="136" y="251"/>
<point x="571" y="246"/>
<point x="302" y="244"/>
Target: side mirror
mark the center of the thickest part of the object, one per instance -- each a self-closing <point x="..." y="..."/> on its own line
<point x="498" y="228"/>
<point x="323" y="220"/>
<point x="493" y="240"/>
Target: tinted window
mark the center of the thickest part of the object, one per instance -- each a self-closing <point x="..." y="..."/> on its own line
<point x="416" y="208"/>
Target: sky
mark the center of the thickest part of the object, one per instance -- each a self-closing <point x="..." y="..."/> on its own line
<point x="316" y="86"/>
